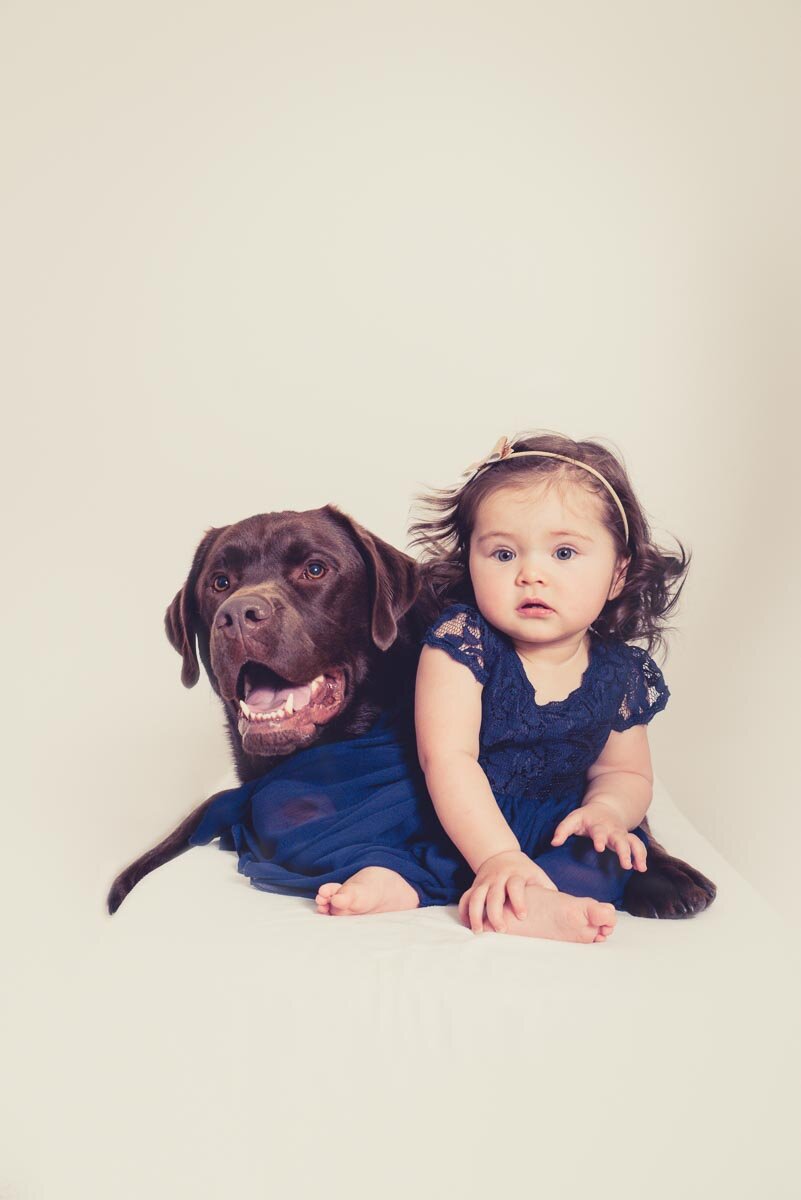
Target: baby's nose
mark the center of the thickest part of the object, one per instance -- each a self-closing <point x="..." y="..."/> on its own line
<point x="532" y="570"/>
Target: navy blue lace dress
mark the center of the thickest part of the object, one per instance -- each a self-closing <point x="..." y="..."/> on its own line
<point x="536" y="757"/>
<point x="327" y="812"/>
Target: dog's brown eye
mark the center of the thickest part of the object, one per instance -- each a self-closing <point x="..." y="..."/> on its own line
<point x="220" y="583"/>
<point x="314" y="569"/>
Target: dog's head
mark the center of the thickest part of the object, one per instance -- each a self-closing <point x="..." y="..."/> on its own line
<point x="289" y="613"/>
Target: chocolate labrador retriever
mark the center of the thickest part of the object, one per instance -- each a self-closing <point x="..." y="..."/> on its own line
<point x="308" y="627"/>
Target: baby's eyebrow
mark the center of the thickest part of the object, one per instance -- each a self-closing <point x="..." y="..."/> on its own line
<point x="495" y="533"/>
<point x="573" y="533"/>
<point x="555" y="533"/>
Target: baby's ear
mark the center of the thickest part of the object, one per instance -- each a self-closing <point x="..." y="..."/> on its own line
<point x="618" y="579"/>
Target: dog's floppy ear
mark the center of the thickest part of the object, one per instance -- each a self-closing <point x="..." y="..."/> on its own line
<point x="394" y="581"/>
<point x="179" y="619"/>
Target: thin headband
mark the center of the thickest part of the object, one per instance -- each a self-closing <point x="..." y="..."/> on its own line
<point x="502" y="450"/>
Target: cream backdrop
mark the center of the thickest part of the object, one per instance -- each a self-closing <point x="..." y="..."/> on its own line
<point x="267" y="256"/>
<point x="262" y="255"/>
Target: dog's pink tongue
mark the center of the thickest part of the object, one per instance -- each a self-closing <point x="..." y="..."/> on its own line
<point x="264" y="699"/>
<point x="261" y="698"/>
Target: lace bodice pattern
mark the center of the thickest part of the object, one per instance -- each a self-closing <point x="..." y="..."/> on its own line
<point x="542" y="752"/>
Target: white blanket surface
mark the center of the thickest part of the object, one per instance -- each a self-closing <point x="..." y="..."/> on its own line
<point x="212" y="1041"/>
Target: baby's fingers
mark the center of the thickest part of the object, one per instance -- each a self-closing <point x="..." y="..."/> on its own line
<point x="475" y="908"/>
<point x="570" y="825"/>
<point x="516" y="890"/>
<point x="639" y="852"/>
<point x="602" y="837"/>
<point x="496" y="898"/>
<point x="619" y="842"/>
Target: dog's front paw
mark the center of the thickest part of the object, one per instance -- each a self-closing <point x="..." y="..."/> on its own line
<point x="669" y="889"/>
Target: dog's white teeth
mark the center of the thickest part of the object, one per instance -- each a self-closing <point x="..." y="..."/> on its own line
<point x="275" y="714"/>
<point x="316" y="684"/>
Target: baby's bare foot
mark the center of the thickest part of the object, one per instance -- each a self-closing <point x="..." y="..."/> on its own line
<point x="372" y="890"/>
<point x="560" y="917"/>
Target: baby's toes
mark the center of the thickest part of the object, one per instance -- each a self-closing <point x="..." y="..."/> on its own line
<point x="344" y="898"/>
<point x="601" y="918"/>
<point x="602" y="915"/>
<point x="323" y="897"/>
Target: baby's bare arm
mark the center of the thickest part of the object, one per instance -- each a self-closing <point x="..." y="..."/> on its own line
<point x="618" y="795"/>
<point x="448" y="720"/>
<point x="621" y="777"/>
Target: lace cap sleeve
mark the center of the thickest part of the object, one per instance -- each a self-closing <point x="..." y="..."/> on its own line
<point x="646" y="692"/>
<point x="458" y="631"/>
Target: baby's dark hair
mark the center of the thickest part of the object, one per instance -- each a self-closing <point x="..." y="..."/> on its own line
<point x="654" y="578"/>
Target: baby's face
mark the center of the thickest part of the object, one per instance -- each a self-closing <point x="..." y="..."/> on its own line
<point x="542" y="562"/>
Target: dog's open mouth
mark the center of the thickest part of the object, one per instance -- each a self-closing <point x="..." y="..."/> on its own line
<point x="268" y="703"/>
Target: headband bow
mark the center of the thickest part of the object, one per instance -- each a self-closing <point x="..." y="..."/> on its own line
<point x="501" y="450"/>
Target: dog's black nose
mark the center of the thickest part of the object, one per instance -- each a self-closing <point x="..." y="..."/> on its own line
<point x="243" y="612"/>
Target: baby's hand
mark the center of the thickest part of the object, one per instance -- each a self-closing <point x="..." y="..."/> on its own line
<point x="502" y="875"/>
<point x="601" y="823"/>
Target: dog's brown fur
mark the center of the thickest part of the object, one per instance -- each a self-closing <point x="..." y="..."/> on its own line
<point x="254" y="603"/>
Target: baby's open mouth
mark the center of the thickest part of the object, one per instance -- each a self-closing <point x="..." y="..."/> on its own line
<point x="267" y="700"/>
<point x="534" y="606"/>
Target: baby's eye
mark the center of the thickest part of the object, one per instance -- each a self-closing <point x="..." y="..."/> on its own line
<point x="564" y="553"/>
<point x="503" y="555"/>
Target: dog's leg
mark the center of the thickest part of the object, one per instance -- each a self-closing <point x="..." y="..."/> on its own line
<point x="173" y="845"/>
<point x="669" y="888"/>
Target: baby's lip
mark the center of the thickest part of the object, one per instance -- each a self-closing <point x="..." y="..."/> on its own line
<point x="534" y="602"/>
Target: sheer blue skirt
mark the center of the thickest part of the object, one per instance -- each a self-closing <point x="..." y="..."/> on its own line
<point x="331" y="810"/>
